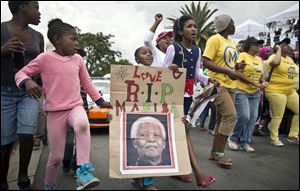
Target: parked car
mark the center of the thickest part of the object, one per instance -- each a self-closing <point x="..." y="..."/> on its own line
<point x="98" y="116"/>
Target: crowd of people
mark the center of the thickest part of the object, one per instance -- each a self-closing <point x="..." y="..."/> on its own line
<point x="243" y="74"/>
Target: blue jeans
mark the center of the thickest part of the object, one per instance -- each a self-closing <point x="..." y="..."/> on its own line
<point x="210" y="105"/>
<point x="246" y="105"/>
<point x="19" y="114"/>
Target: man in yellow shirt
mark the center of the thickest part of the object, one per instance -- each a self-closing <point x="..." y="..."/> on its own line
<point x="219" y="57"/>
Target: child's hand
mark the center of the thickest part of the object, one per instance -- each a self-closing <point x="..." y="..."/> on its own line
<point x="109" y="117"/>
<point x="33" y="90"/>
<point x="173" y="67"/>
<point x="184" y="120"/>
<point x="106" y="105"/>
<point x="158" y="17"/>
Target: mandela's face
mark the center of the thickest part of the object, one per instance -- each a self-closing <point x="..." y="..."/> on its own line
<point x="149" y="140"/>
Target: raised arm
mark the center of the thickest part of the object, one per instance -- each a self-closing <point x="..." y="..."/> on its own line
<point x="277" y="59"/>
<point x="150" y="35"/>
<point x="158" y="18"/>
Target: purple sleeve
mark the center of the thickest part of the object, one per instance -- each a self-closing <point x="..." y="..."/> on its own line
<point x="22" y="84"/>
<point x="100" y="101"/>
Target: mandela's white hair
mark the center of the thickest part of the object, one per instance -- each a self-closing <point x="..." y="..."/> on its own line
<point x="147" y="119"/>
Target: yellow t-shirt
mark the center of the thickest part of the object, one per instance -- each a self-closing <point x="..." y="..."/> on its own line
<point x="297" y="80"/>
<point x="223" y="53"/>
<point x="283" y="77"/>
<point x="252" y="70"/>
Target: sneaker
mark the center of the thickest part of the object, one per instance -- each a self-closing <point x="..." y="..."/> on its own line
<point x="276" y="143"/>
<point x="260" y="131"/>
<point x="233" y="145"/>
<point x="50" y="187"/>
<point x="24" y="185"/>
<point x="248" y="148"/>
<point x="210" y="131"/>
<point x="85" y="179"/>
<point x="293" y="140"/>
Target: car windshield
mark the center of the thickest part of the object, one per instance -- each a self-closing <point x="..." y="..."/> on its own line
<point x="104" y="87"/>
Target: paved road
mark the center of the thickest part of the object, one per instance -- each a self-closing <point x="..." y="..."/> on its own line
<point x="269" y="168"/>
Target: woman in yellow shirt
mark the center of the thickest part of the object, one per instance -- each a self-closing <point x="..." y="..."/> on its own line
<point x="281" y="92"/>
<point x="247" y="95"/>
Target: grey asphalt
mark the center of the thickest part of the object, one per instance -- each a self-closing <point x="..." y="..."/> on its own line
<point x="268" y="168"/>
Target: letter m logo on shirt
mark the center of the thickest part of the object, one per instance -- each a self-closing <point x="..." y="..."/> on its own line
<point x="230" y="57"/>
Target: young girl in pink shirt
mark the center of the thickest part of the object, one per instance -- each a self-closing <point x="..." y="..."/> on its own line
<point x="63" y="72"/>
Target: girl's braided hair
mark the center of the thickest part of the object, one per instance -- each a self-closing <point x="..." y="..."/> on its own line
<point x="57" y="27"/>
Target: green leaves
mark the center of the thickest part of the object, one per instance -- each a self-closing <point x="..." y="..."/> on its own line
<point x="99" y="53"/>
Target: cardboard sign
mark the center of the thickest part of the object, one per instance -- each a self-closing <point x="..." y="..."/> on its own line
<point x="146" y="135"/>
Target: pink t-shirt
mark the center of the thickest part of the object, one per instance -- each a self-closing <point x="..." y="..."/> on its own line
<point x="61" y="77"/>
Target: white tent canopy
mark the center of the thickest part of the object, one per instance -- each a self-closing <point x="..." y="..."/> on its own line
<point x="282" y="17"/>
<point x="248" y="28"/>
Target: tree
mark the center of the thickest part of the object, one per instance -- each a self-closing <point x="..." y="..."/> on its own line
<point x="99" y="54"/>
<point x="201" y="16"/>
<point x="123" y="62"/>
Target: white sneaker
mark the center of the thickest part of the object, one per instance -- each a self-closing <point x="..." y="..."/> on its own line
<point x="248" y="148"/>
<point x="293" y="140"/>
<point x="232" y="145"/>
<point x="276" y="143"/>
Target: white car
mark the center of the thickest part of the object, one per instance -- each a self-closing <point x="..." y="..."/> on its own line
<point x="98" y="116"/>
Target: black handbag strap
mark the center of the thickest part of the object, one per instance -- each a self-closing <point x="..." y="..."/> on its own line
<point x="269" y="77"/>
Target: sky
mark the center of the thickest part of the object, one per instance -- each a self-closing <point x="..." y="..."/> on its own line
<point x="128" y="21"/>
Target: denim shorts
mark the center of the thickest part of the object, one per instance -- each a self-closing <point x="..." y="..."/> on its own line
<point x="19" y="114"/>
